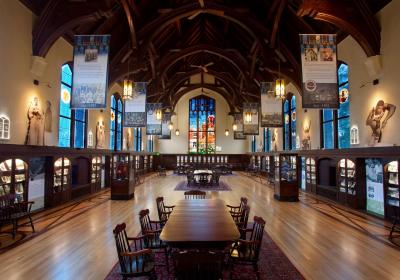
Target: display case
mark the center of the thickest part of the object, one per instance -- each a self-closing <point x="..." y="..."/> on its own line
<point x="14" y="178"/>
<point x="286" y="177"/>
<point x="58" y="189"/>
<point x="392" y="188"/>
<point x="96" y="173"/>
<point x="122" y="176"/>
<point x="347" y="183"/>
<point x="311" y="175"/>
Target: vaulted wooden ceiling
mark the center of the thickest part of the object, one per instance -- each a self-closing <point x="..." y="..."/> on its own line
<point x="245" y="41"/>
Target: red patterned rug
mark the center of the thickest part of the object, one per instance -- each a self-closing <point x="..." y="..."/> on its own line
<point x="273" y="265"/>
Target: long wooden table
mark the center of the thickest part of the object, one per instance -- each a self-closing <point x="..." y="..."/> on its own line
<point x="200" y="223"/>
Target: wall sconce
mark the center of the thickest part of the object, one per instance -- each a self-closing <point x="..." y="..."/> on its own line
<point x="226" y="132"/>
<point x="280" y="88"/>
<point x="171" y="126"/>
<point x="158" y="114"/>
<point x="128" y="90"/>
<point x="234" y="127"/>
<point x="177" y="132"/>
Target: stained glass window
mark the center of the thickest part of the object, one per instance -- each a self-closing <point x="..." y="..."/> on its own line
<point x="202" y="125"/>
<point x="336" y="123"/>
<point x="150" y="143"/>
<point x="267" y="139"/>
<point x="116" y="123"/>
<point x="137" y="145"/>
<point x="253" y="144"/>
<point x="289" y="115"/>
<point x="72" y="123"/>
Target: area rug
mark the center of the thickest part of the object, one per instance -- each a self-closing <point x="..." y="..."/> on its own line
<point x="182" y="186"/>
<point x="273" y="265"/>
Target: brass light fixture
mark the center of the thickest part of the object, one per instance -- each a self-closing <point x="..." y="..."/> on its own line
<point x="280" y="88"/>
<point x="177" y="132"/>
<point x="158" y="114"/>
<point x="171" y="126"/>
<point x="128" y="89"/>
<point x="248" y="116"/>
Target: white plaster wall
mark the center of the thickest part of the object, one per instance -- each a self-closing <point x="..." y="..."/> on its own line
<point x="362" y="99"/>
<point x="179" y="144"/>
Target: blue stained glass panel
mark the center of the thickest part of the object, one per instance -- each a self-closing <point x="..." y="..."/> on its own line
<point x="113" y="102"/>
<point x="119" y="105"/>
<point x="119" y="143"/>
<point x="343" y="73"/>
<point x="344" y="133"/>
<point x="293" y="102"/>
<point x="65" y="95"/>
<point x="80" y="115"/>
<point x="79" y="135"/>
<point x="327" y="115"/>
<point x="344" y="109"/>
<point x="66" y="75"/>
<point x="64" y="135"/>
<point x="112" y="139"/>
<point x="328" y="135"/>
<point x="286" y="106"/>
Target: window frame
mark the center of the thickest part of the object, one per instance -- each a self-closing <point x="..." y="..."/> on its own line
<point x="207" y="131"/>
<point x="117" y="97"/>
<point x="72" y="119"/>
<point x="291" y="146"/>
<point x="335" y="115"/>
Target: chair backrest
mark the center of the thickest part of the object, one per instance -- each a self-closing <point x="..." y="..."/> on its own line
<point x="257" y="234"/>
<point x="243" y="202"/>
<point x="122" y="243"/>
<point x="244" y="217"/>
<point x="195" y="194"/>
<point x="201" y="265"/>
<point x="144" y="219"/>
<point x="160" y="207"/>
<point x="7" y="200"/>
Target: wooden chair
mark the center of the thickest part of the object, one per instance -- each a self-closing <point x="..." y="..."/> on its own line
<point x="163" y="210"/>
<point x="198" y="265"/>
<point x="234" y="210"/>
<point x="190" y="179"/>
<point x="134" y="259"/>
<point x="195" y="194"/>
<point x="247" y="252"/>
<point x="152" y="229"/>
<point x="215" y="178"/>
<point x="242" y="219"/>
<point x="12" y="211"/>
<point x="161" y="171"/>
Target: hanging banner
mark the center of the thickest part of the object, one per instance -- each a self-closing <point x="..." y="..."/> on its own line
<point x="153" y="126"/>
<point x="90" y="79"/>
<point x="271" y="107"/>
<point x="238" y="134"/>
<point x="319" y="70"/>
<point x="165" y="131"/>
<point x="250" y="118"/>
<point x="375" y="192"/>
<point x="135" y="108"/>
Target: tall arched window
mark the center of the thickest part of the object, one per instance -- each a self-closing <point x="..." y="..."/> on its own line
<point x="137" y="144"/>
<point x="202" y="125"/>
<point x="116" y="123"/>
<point x="289" y="128"/>
<point x="335" y="124"/>
<point x="72" y="123"/>
<point x="267" y="139"/>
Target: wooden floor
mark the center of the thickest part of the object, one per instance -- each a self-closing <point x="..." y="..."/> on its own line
<point x="322" y="240"/>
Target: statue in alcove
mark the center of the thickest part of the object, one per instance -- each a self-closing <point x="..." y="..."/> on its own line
<point x="100" y="135"/>
<point x="378" y="118"/>
<point x="35" y="133"/>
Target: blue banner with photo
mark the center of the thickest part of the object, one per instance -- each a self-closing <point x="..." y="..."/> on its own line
<point x="90" y="75"/>
<point x="135" y="108"/>
<point x="319" y="71"/>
